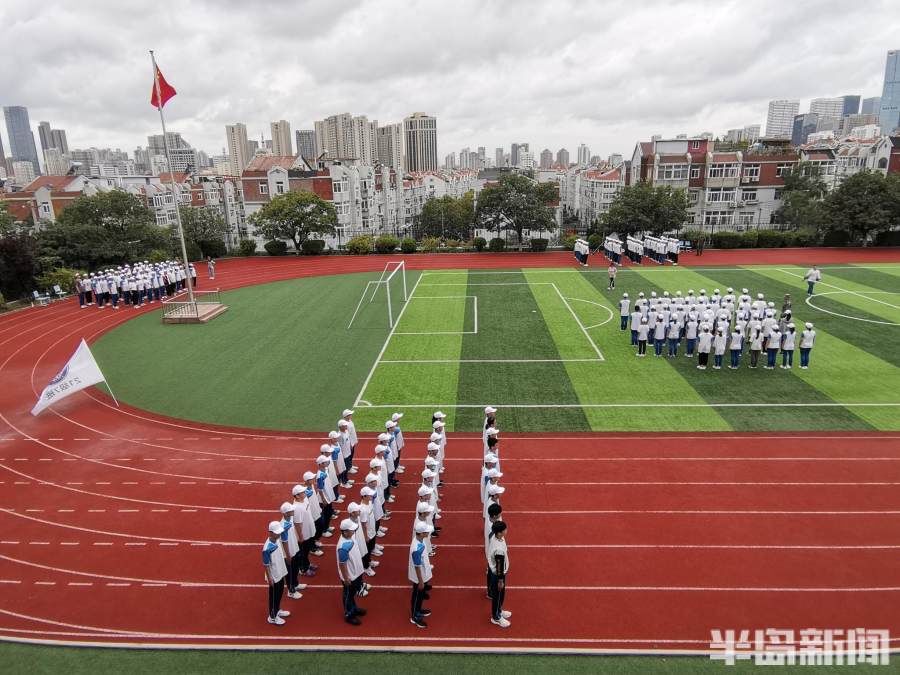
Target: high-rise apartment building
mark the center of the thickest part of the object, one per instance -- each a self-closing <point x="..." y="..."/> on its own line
<point x="562" y="158"/>
<point x="546" y="158"/>
<point x="803" y="126"/>
<point x="334" y="136"/>
<point x="44" y="134"/>
<point x="21" y="138"/>
<point x="498" y="157"/>
<point x="780" y="118"/>
<point x="389" y="141"/>
<point x="827" y="108"/>
<point x="281" y="139"/>
<point x="584" y="155"/>
<point x="420" y="131"/>
<point x="58" y="140"/>
<point x="870" y="106"/>
<point x="55" y="162"/>
<point x="238" y="147"/>
<point x="889" y="112"/>
<point x="306" y="144"/>
<point x="363" y="142"/>
<point x="851" y="105"/>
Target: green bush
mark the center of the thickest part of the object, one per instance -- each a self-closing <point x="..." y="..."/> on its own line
<point x="805" y="237"/>
<point x="63" y="276"/>
<point x="568" y="241"/>
<point x="772" y="239"/>
<point x="386" y="243"/>
<point x="247" y="247"/>
<point x="836" y="238"/>
<point x="727" y="240"/>
<point x="431" y="244"/>
<point x="275" y="247"/>
<point x="595" y="241"/>
<point x="479" y="243"/>
<point x="158" y="255"/>
<point x="212" y="248"/>
<point x="361" y="245"/>
<point x="453" y="243"/>
<point x="538" y="245"/>
<point x="2" y="301"/>
<point x="408" y="245"/>
<point x="193" y="251"/>
<point x="748" y="239"/>
<point x="888" y="238"/>
<point x="692" y="235"/>
<point x="496" y="244"/>
<point x="313" y="246"/>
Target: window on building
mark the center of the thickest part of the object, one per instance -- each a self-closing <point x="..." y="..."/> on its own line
<point x="718" y="218"/>
<point x="778" y="194"/>
<point x="162" y="218"/>
<point x="695" y="145"/>
<point x="782" y="170"/>
<point x="695" y="171"/>
<point x="722" y="170"/>
<point x="747" y="218"/>
<point x="279" y="188"/>
<point x="751" y="173"/>
<point x="693" y="196"/>
<point x="749" y="196"/>
<point x="157" y="200"/>
<point x="337" y="187"/>
<point x="672" y="172"/>
<point x="720" y="195"/>
<point x="263" y="188"/>
<point x="45" y="209"/>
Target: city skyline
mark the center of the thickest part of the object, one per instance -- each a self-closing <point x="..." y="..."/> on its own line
<point x="487" y="90"/>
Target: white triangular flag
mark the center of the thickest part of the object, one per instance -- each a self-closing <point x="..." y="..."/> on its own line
<point x="81" y="371"/>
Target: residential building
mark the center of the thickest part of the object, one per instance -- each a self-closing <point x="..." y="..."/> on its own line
<point x="499" y="157"/>
<point x="21" y="138"/>
<point x="23" y="172"/>
<point x="420" y="131"/>
<point x="389" y="141"/>
<point x="827" y="108"/>
<point x="515" y="155"/>
<point x="526" y="160"/>
<point x="851" y="105"/>
<point x="45" y="197"/>
<point x="336" y="140"/>
<point x="871" y="106"/>
<point x="852" y="121"/>
<point x="748" y="134"/>
<point x="546" y="158"/>
<point x="584" y="155"/>
<point x="44" y="133"/>
<point x="58" y="140"/>
<point x="615" y="160"/>
<point x="221" y="165"/>
<point x="142" y="160"/>
<point x="364" y="145"/>
<point x="306" y="144"/>
<point x="237" y="146"/>
<point x="281" y="138"/>
<point x="598" y="188"/>
<point x="562" y="158"/>
<point x="55" y="162"/>
<point x="889" y="112"/>
<point x="780" y="117"/>
<point x="804" y="125"/>
<point x="450" y="161"/>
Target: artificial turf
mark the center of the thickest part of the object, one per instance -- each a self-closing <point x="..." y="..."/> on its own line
<point x="283" y="358"/>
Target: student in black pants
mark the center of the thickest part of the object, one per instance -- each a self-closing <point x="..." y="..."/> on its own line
<point x="498" y="565"/>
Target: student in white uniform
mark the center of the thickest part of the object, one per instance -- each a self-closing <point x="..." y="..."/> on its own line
<point x="643" y="335"/>
<point x="346" y="449"/>
<point x="275" y="571"/>
<point x="359" y="537"/>
<point x="493" y="494"/>
<point x="490" y="420"/>
<point x="367" y="521"/>
<point x="773" y="343"/>
<point x="719" y="342"/>
<point x="291" y="542"/>
<point x="490" y="463"/>
<point x="350" y="572"/>
<point x="419" y="574"/>
<point x="737" y="347"/>
<point x="325" y="492"/>
<point x="812" y="277"/>
<point x="788" y="341"/>
<point x="756" y="343"/>
<point x="704" y="346"/>
<point x="674" y="336"/>
<point x="347" y="416"/>
<point x="659" y="335"/>
<point x="498" y="566"/>
<point x="306" y="530"/>
<point x="636" y="316"/>
<point x="624" y="311"/>
<point x="807" y="340"/>
<point x="399" y="442"/>
<point x="690" y="334"/>
<point x="315" y="510"/>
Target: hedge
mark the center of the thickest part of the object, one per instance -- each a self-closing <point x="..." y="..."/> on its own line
<point x="313" y="246"/>
<point x="387" y="244"/>
<point x="275" y="247"/>
<point x="480" y="243"/>
<point x="496" y="245"/>
<point x="538" y="245"/>
<point x="247" y="246"/>
<point x="62" y="276"/>
<point x="568" y="241"/>
<point x="408" y="245"/>
<point x="360" y="245"/>
<point x="836" y="238"/>
<point x="595" y="241"/>
<point x="888" y="238"/>
<point x="431" y="244"/>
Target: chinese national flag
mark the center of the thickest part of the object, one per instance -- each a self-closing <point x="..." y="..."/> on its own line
<point x="166" y="91"/>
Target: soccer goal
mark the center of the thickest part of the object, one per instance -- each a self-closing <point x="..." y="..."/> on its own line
<point x="387" y="292"/>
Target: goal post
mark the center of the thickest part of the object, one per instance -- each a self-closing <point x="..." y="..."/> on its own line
<point x="392" y="279"/>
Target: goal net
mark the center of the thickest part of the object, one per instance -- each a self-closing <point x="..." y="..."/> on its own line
<point x="382" y="299"/>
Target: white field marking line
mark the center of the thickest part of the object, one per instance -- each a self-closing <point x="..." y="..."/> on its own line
<point x="387" y="340"/>
<point x="597" y="304"/>
<point x="842" y="290"/>
<point x="688" y="268"/>
<point x="494" y="360"/>
<point x="438" y="406"/>
<point x="683" y="459"/>
<point x="847" y="316"/>
<point x="657" y="483"/>
<point x="578" y="321"/>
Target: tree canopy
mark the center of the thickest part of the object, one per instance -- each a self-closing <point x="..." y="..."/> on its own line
<point x="18" y="257"/>
<point x="517" y="203"/>
<point x="801" y="197"/>
<point x="646" y="208"/>
<point x="296" y="216"/>
<point x="448" y="217"/>
<point x="206" y="228"/>
<point x="863" y="205"/>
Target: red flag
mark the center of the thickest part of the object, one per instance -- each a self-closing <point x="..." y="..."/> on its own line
<point x="166" y="91"/>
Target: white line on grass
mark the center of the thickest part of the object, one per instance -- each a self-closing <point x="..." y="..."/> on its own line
<point x="493" y="361"/>
<point x="847" y="316"/>
<point x="386" y="341"/>
<point x="687" y="268"/>
<point x="578" y="321"/>
<point x="844" y="290"/>
<point x="438" y="406"/>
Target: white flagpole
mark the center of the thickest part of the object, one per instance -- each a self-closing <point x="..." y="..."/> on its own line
<point x="111" y="393"/>
<point x="175" y="195"/>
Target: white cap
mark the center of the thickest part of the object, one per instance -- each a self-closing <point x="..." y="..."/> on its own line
<point x="333" y="435"/>
<point x="716" y="291"/>
<point x="371" y="478"/>
<point x="703" y="291"/>
<point x="430" y="462"/>
<point x="396" y="416"/>
<point x="287" y="507"/>
<point x="495" y="473"/>
<point x="495" y="489"/>
<point x="808" y="324"/>
<point x="352" y="507"/>
<point x="652" y="294"/>
<point x="346" y="412"/>
<point x="423" y="528"/>
<point x="641" y="294"/>
<point x="435" y="436"/>
<point x="490" y="457"/>
<point x="428" y="473"/>
<point x="348" y="524"/>
<point x="374" y="464"/>
<point x="343" y="423"/>
<point x="384" y="437"/>
<point x="424" y="491"/>
<point x="390" y="424"/>
<point x="424" y="507"/>
<point x="439" y="415"/>
<point x="275" y="527"/>
<point x="323" y="459"/>
<point x="433" y="447"/>
<point x="760" y="296"/>
<point x="298" y="489"/>
<point x="325" y="449"/>
<point x="492" y="431"/>
<point x="438" y="425"/>
<point x="367" y="491"/>
<point x="490" y="410"/>
<point x="380" y="448"/>
<point x="730" y="289"/>
<point x="624" y="295"/>
<point x="308" y="475"/>
<point x="691" y="291"/>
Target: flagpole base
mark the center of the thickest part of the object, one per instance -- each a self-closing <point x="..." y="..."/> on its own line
<point x="202" y="312"/>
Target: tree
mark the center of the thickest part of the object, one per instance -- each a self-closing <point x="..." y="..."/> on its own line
<point x="646" y="208"/>
<point x="18" y="265"/>
<point x="205" y="227"/>
<point x="448" y="217"/>
<point x="109" y="228"/>
<point x="801" y="197"/>
<point x="296" y="216"/>
<point x="863" y="205"/>
<point x="7" y="221"/>
<point x="516" y="203"/>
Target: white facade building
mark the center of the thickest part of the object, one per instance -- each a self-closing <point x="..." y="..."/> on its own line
<point x="780" y="118"/>
<point x="237" y="146"/>
<point x="389" y="141"/>
<point x="281" y="138"/>
<point x="827" y="108"/>
<point x="420" y="131"/>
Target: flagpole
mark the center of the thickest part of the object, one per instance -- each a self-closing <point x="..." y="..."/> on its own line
<point x="175" y="196"/>
<point x="111" y="393"/>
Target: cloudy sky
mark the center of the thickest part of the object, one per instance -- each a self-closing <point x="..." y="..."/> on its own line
<point x="554" y="74"/>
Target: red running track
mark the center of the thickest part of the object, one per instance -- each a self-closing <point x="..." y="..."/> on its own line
<point x="118" y="526"/>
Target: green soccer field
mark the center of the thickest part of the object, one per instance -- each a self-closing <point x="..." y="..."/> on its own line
<point x="544" y="345"/>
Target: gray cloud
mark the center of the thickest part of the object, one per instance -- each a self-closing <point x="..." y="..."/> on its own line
<point x="554" y="74"/>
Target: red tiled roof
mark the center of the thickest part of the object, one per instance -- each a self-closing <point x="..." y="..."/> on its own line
<point x="179" y="177"/>
<point x="647" y="147"/>
<point x="724" y="157"/>
<point x="266" y="162"/>
<point x="672" y="159"/>
<point x="52" y="182"/>
<point x="818" y="155"/>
